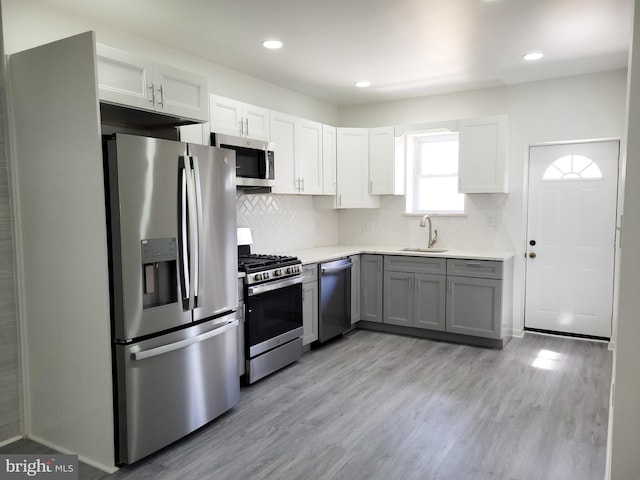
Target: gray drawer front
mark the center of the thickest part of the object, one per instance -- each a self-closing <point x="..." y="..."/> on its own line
<point x="415" y="264"/>
<point x="310" y="273"/>
<point x="475" y="268"/>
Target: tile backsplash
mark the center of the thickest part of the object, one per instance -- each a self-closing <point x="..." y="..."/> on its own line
<point x="282" y="223"/>
<point x="482" y="227"/>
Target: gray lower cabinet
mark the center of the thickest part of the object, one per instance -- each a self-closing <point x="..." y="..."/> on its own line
<point x="473" y="306"/>
<point x="479" y="297"/>
<point x="241" y="365"/>
<point x="310" y="304"/>
<point x="355" y="288"/>
<point x="413" y="298"/>
<point x="371" y="287"/>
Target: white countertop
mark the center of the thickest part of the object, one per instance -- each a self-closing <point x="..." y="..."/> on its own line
<point x="321" y="254"/>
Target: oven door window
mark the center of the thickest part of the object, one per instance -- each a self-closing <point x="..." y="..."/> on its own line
<point x="273" y="313"/>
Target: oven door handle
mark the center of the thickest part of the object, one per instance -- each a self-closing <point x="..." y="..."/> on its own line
<point x="271" y="286"/>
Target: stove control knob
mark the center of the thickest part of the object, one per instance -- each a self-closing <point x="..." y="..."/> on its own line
<point x="277" y="273"/>
<point x="257" y="277"/>
<point x="266" y="275"/>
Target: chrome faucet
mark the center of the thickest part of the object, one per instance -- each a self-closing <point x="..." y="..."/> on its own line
<point x="433" y="234"/>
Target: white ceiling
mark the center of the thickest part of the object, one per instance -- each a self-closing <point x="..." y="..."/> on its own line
<point x="406" y="48"/>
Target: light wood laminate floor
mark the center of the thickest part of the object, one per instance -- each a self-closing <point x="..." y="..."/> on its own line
<point x="380" y="406"/>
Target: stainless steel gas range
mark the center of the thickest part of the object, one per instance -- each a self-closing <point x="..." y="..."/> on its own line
<point x="273" y="311"/>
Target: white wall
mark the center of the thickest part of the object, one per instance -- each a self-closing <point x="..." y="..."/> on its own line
<point x="31" y="23"/>
<point x="624" y="423"/>
<point x="573" y="108"/>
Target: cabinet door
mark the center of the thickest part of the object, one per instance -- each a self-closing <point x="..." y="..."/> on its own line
<point x="124" y="79"/>
<point x="483" y="151"/>
<point x="382" y="163"/>
<point x="355" y="288"/>
<point x="328" y="160"/>
<point x="308" y="156"/>
<point x="241" y="358"/>
<point x="309" y="312"/>
<point x="398" y="298"/>
<point x="180" y="93"/>
<point x="352" y="147"/>
<point x="226" y="115"/>
<point x="371" y="288"/>
<point x="430" y="296"/>
<point x="474" y="306"/>
<point x="283" y="135"/>
<point x="256" y="122"/>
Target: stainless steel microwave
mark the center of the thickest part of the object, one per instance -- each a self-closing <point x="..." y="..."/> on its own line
<point x="254" y="160"/>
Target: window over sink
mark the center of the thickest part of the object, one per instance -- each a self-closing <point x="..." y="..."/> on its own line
<point x="432" y="173"/>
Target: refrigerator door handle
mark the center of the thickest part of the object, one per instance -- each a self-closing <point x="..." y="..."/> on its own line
<point x="184" y="232"/>
<point x="199" y="245"/>
<point x="190" y="244"/>
<point x="154" y="352"/>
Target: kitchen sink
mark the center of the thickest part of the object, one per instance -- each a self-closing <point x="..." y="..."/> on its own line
<point x="424" y="250"/>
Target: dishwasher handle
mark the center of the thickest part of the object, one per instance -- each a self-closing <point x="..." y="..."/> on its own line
<point x="154" y="352"/>
<point x="339" y="268"/>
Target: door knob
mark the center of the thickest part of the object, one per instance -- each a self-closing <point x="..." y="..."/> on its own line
<point x="532" y="255"/>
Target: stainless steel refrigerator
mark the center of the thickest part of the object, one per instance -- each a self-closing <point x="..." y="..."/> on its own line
<point x="174" y="297"/>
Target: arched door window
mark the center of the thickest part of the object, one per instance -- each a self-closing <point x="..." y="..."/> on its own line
<point x="572" y="167"/>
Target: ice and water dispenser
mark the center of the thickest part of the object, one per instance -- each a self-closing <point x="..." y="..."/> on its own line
<point x="159" y="274"/>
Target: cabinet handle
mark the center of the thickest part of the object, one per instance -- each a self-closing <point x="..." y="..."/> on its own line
<point x="153" y="94"/>
<point x="449" y="285"/>
<point x="246" y="129"/>
<point x="302" y="179"/>
<point x="340" y="200"/>
<point x="161" y="102"/>
<point x="370" y="186"/>
<point x="241" y="129"/>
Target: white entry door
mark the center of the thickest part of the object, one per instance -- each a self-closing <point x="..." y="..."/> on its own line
<point x="571" y="237"/>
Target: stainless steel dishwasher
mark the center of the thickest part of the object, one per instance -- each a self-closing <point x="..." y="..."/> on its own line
<point x="335" y="299"/>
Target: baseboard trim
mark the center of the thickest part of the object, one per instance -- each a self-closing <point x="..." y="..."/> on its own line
<point x="9" y="441"/>
<point x="518" y="333"/>
<point x="82" y="458"/>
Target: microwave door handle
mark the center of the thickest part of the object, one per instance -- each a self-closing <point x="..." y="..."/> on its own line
<point x="199" y="244"/>
<point x="184" y="233"/>
<point x="266" y="172"/>
<point x="192" y="213"/>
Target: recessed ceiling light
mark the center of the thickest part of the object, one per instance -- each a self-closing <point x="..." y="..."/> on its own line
<point x="533" y="56"/>
<point x="362" y="84"/>
<point x="272" y="44"/>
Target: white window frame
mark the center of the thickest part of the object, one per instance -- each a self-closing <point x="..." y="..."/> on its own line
<point x="412" y="146"/>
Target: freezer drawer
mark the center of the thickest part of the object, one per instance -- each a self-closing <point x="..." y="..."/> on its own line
<point x="171" y="385"/>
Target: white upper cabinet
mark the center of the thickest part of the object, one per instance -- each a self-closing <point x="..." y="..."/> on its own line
<point x="308" y="157"/>
<point x="134" y="81"/>
<point x="283" y="138"/>
<point x="240" y="119"/>
<point x="386" y="171"/>
<point x="353" y="169"/>
<point x="329" y="165"/>
<point x="298" y="154"/>
<point x="483" y="152"/>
